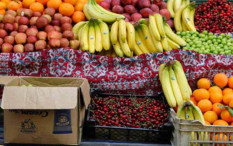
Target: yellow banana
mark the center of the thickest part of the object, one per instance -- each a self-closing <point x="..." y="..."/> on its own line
<point x="105" y="35"/>
<point x="177" y="39"/>
<point x="170" y="7"/>
<point x="98" y="37"/>
<point x="147" y="38"/>
<point x="125" y="48"/>
<point x="184" y="28"/>
<point x="91" y="38"/>
<point x="153" y="27"/>
<point x="130" y="35"/>
<point x="77" y="27"/>
<point x="181" y="112"/>
<point x="191" y="15"/>
<point x="84" y="37"/>
<point x="166" y="85"/>
<point x="137" y="51"/>
<point x="165" y="45"/>
<point x="189" y="116"/>
<point x="197" y="113"/>
<point x="159" y="24"/>
<point x="157" y="43"/>
<point x="85" y="10"/>
<point x="177" y="18"/>
<point x="117" y="49"/>
<point x="177" y="5"/>
<point x="172" y="44"/>
<point x="122" y="30"/>
<point x="175" y="87"/>
<point x="140" y="43"/>
<point x="182" y="81"/>
<point x="114" y="32"/>
<point x="186" y="19"/>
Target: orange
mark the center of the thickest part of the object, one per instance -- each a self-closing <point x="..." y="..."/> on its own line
<point x="231" y="104"/>
<point x="220" y="122"/>
<point x="200" y="94"/>
<point x="227" y="90"/>
<point x="232" y="124"/>
<point x="217" y="108"/>
<point x="6" y="1"/>
<point x="13" y="5"/>
<point x="37" y="7"/>
<point x="193" y="100"/>
<point x="66" y="9"/>
<point x="226" y="116"/>
<point x="227" y="98"/>
<point x="203" y="83"/>
<point x="210" y="116"/>
<point x="230" y="82"/>
<point x="2" y="5"/>
<point x="205" y="105"/>
<point x="27" y="3"/>
<point x="44" y="2"/>
<point x="215" y="89"/>
<point x="216" y="97"/>
<point x="220" y="137"/>
<point x="79" y="6"/>
<point x="72" y="2"/>
<point x="221" y="80"/>
<point x="54" y="4"/>
<point x="78" y="16"/>
<point x="207" y="123"/>
<point x="2" y="11"/>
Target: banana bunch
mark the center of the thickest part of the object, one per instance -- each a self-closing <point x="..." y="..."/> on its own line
<point x="93" y="35"/>
<point x="93" y="10"/>
<point x="162" y="36"/>
<point x="184" y="17"/>
<point x="123" y="39"/>
<point x="174" y="83"/>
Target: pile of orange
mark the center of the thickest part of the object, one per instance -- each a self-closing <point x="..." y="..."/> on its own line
<point x="212" y="99"/>
<point x="71" y="8"/>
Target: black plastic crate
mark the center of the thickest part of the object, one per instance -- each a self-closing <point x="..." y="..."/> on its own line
<point x="161" y="135"/>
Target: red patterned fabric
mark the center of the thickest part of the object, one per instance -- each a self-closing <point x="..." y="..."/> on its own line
<point x="138" y="74"/>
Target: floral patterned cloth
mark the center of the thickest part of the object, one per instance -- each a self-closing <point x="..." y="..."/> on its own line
<point x="127" y="75"/>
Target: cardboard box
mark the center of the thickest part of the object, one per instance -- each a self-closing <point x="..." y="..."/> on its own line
<point x="6" y="79"/>
<point x="50" y="112"/>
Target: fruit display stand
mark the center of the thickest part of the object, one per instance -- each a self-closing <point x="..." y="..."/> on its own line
<point x="189" y="132"/>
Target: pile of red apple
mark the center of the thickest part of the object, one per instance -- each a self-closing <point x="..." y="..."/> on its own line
<point x="27" y="31"/>
<point x="134" y="10"/>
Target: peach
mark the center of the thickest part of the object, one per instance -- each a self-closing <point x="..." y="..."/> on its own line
<point x="1" y="17"/>
<point x="49" y="11"/>
<point x="11" y="12"/>
<point x="3" y="33"/>
<point x="8" y="27"/>
<point x="64" y="43"/>
<point x="68" y="34"/>
<point x="42" y="22"/>
<point x="28" y="13"/>
<point x="29" y="48"/>
<point x="23" y="20"/>
<point x="54" y="35"/>
<point x="49" y="28"/>
<point x="41" y="35"/>
<point x="36" y="14"/>
<point x="32" y="31"/>
<point x="66" y="26"/>
<point x="40" y="45"/>
<point x="74" y="44"/>
<point x="19" y="11"/>
<point x="48" y="17"/>
<point x="57" y="16"/>
<point x="7" y="48"/>
<point x="9" y="39"/>
<point x="33" y="21"/>
<point x="20" y="38"/>
<point x="23" y="28"/>
<point x="8" y="18"/>
<point x="15" y="26"/>
<point x="13" y="33"/>
<point x="57" y="28"/>
<point x="65" y="19"/>
<point x="1" y="25"/>
<point x="1" y="41"/>
<point x="55" y="22"/>
<point x="19" y="48"/>
<point x="17" y="19"/>
<point x="31" y="39"/>
<point x="54" y="43"/>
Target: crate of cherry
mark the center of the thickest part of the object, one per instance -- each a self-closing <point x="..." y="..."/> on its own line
<point x="128" y="118"/>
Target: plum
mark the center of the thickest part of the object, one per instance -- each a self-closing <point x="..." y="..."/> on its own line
<point x="29" y="48"/>
<point x="42" y="22"/>
<point x="136" y="17"/>
<point x="126" y="2"/>
<point x="163" y="5"/>
<point x="3" y="33"/>
<point x="118" y="9"/>
<point x="134" y="2"/>
<point x="8" y="27"/>
<point x="23" y="28"/>
<point x="170" y="23"/>
<point x="50" y="11"/>
<point x="154" y="8"/>
<point x="66" y="26"/>
<point x="65" y="19"/>
<point x="143" y="3"/>
<point x="23" y="20"/>
<point x="127" y="16"/>
<point x="116" y="2"/>
<point x="49" y="28"/>
<point x="130" y="9"/>
<point x="104" y="4"/>
<point x="146" y="12"/>
<point x="31" y="39"/>
<point x="165" y="13"/>
<point x="68" y="34"/>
